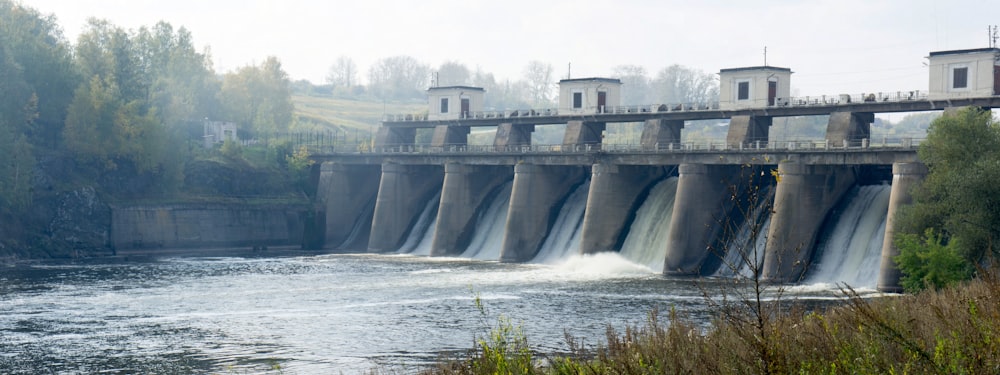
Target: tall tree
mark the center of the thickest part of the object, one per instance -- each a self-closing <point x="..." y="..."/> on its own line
<point x="398" y="78"/>
<point x="538" y="76"/>
<point x="18" y="111"/>
<point x="960" y="197"/>
<point x="35" y="43"/>
<point x="678" y="84"/>
<point x="453" y="73"/>
<point x="259" y="97"/>
<point x="343" y="73"/>
<point x="635" y="84"/>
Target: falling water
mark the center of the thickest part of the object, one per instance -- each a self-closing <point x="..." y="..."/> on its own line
<point x="564" y="238"/>
<point x="746" y="249"/>
<point x="488" y="238"/>
<point x="647" y="237"/>
<point x="851" y="249"/>
<point x="422" y="236"/>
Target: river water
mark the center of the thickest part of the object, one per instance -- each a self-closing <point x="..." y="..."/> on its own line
<point x="322" y="313"/>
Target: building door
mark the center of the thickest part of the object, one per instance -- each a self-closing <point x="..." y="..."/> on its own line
<point x="772" y="92"/>
<point x="602" y="100"/>
<point x="465" y="107"/>
<point x="996" y="80"/>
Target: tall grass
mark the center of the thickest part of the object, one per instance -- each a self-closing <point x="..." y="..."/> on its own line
<point x="950" y="331"/>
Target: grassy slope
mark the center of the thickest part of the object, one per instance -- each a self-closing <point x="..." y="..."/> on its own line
<point x="347" y="113"/>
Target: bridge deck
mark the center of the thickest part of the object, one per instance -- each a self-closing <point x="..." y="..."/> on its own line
<point x="582" y="155"/>
<point x="640" y="114"/>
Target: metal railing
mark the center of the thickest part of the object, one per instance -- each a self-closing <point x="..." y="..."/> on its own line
<point x="685" y="147"/>
<point x="801" y="101"/>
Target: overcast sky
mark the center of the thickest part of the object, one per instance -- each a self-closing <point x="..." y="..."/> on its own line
<point x="842" y="46"/>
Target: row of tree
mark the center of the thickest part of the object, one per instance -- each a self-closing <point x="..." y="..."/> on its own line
<point x="405" y="78"/>
<point x="116" y="99"/>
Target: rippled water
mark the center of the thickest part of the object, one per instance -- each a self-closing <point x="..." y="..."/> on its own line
<point x="308" y="314"/>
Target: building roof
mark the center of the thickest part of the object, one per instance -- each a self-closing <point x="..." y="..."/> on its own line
<point x="456" y="88"/>
<point x="963" y="51"/>
<point x="748" y="68"/>
<point x="591" y="79"/>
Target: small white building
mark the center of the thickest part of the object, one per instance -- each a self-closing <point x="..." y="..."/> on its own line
<point x="754" y="87"/>
<point x="218" y="132"/>
<point x="454" y="102"/>
<point x="589" y="95"/>
<point x="964" y="73"/>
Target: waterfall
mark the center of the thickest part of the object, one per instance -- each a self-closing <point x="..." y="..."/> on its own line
<point x="487" y="239"/>
<point x="749" y="241"/>
<point x="646" y="242"/>
<point x="850" y="250"/>
<point x="564" y="237"/>
<point x="422" y="235"/>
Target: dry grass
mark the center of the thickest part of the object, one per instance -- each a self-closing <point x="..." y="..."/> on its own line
<point x="349" y="114"/>
<point x="952" y="331"/>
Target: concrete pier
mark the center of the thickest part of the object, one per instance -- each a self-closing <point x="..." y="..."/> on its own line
<point x="849" y="128"/>
<point x="391" y="137"/>
<point x="748" y="130"/>
<point x="465" y="188"/>
<point x="661" y="133"/>
<point x="904" y="177"/>
<point x="611" y="203"/>
<point x="510" y="135"/>
<point x="802" y="199"/>
<point x="584" y="133"/>
<point x="700" y="206"/>
<point x="402" y="194"/>
<point x="345" y="193"/>
<point x="447" y="135"/>
<point x="534" y="203"/>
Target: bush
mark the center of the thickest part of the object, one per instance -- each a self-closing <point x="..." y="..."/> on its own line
<point x="927" y="262"/>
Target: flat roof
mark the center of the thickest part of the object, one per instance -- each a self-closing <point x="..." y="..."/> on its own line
<point x="961" y="51"/>
<point x="455" y="88"/>
<point x="592" y="79"/>
<point x="764" y="67"/>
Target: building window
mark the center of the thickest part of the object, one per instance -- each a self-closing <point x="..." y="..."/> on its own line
<point x="444" y="105"/>
<point x="960" y="78"/>
<point x="743" y="90"/>
<point x="577" y="100"/>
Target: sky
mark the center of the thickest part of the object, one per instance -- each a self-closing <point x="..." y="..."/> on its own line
<point x="833" y="47"/>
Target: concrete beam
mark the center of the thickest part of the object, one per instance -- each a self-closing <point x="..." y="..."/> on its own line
<point x="465" y="189"/>
<point x="804" y="196"/>
<point x="700" y="206"/>
<point x="534" y="203"/>
<point x="611" y="204"/>
<point x="446" y="135"/>
<point x="748" y="130"/>
<point x="511" y="135"/>
<point x="346" y="193"/>
<point x="849" y="128"/>
<point x="402" y="194"/>
<point x="584" y="133"/>
<point x="904" y="177"/>
<point x="660" y="133"/>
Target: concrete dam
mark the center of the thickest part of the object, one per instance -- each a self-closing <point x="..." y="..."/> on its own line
<point x="797" y="210"/>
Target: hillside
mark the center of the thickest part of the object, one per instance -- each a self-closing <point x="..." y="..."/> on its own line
<point x="328" y="112"/>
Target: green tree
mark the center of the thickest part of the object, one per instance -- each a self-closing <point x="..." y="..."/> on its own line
<point x="35" y="44"/>
<point x="259" y="97"/>
<point x="960" y="198"/>
<point x="18" y="111"/>
<point x="929" y="262"/>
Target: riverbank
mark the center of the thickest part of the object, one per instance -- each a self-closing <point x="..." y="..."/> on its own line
<point x="956" y="331"/>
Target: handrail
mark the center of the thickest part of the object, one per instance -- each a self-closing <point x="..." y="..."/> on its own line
<point x="866" y="144"/>
<point x="800" y="101"/>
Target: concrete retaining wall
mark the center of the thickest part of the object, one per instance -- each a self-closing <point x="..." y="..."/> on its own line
<point x="206" y="226"/>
